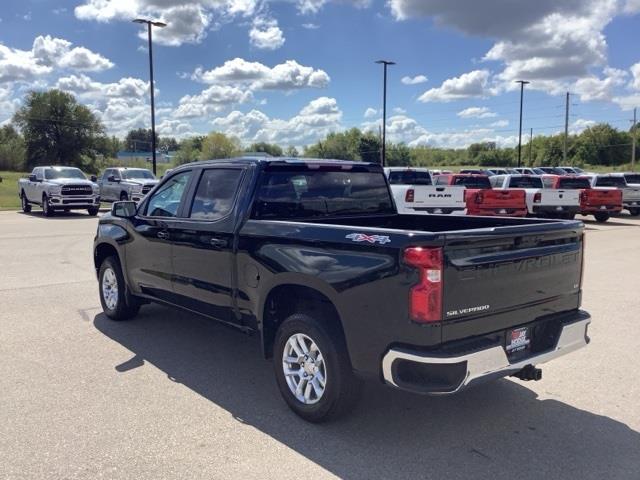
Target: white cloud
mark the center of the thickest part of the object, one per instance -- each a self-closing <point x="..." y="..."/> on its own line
<point x="265" y="34"/>
<point x="635" y="72"/>
<point x="580" y="125"/>
<point x="627" y="102"/>
<point x="499" y="124"/>
<point x="418" y="79"/>
<point x="593" y="88"/>
<point x="314" y="6"/>
<point x="310" y="26"/>
<point x="468" y="85"/>
<point x="212" y="100"/>
<point x="399" y="111"/>
<point x="476" y="112"/>
<point x="370" y="112"/>
<point x="318" y="118"/>
<point x="285" y="76"/>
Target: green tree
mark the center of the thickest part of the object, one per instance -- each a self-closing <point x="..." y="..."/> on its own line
<point x="139" y="140"/>
<point x="108" y="146"/>
<point x="189" y="151"/>
<point x="291" y="151"/>
<point x="12" y="149"/>
<point x="168" y="144"/>
<point x="218" y="145"/>
<point x="369" y="147"/>
<point x="264" y="147"/>
<point x="398" y="155"/>
<point x="58" y="129"/>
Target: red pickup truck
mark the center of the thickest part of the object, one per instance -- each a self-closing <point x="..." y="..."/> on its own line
<point x="482" y="200"/>
<point x="599" y="202"/>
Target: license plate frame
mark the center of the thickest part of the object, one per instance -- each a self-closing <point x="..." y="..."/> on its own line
<point x="518" y="341"/>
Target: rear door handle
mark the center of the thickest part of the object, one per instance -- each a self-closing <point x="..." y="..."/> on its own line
<point x="163" y="235"/>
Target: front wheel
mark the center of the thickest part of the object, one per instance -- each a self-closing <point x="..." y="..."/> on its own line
<point x="312" y="369"/>
<point x="26" y="206"/>
<point x="93" y="211"/>
<point x="47" y="210"/>
<point x="634" y="212"/>
<point x="124" y="197"/>
<point x="117" y="302"/>
<point x="601" y="217"/>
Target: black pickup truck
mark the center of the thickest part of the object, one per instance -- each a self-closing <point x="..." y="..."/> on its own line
<point x="312" y="256"/>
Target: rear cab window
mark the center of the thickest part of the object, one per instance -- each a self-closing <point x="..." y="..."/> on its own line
<point x="409" y="177"/>
<point x="472" y="182"/>
<point x="617" y="182"/>
<point x="632" y="178"/>
<point x="525" y="182"/>
<point x="574" y="183"/>
<point x="295" y="192"/>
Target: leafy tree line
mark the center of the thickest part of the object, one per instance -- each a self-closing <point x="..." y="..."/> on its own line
<point x="53" y="127"/>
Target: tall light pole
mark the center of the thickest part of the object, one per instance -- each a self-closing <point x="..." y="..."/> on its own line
<point x="151" y="23"/>
<point x="385" y="63"/>
<point x="522" y="84"/>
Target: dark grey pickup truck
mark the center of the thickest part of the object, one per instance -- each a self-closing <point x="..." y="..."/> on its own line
<point x="312" y="256"/>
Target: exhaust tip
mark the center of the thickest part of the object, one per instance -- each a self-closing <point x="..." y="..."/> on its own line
<point x="529" y="373"/>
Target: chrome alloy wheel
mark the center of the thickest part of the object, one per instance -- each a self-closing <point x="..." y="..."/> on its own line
<point x="110" y="288"/>
<point x="304" y="369"/>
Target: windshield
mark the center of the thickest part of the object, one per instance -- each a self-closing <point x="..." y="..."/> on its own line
<point x="305" y="194"/>
<point x="472" y="182"/>
<point x="632" y="178"/>
<point x="618" y="182"/>
<point x="69" y="172"/>
<point x="578" y="170"/>
<point x="573" y="183"/>
<point x="409" y="177"/>
<point x="139" y="173"/>
<point x="525" y="182"/>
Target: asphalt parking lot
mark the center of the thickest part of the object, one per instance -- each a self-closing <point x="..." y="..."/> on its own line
<point x="171" y="395"/>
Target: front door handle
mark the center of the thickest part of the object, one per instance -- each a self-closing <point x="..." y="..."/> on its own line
<point x="163" y="235"/>
<point x="218" y="243"/>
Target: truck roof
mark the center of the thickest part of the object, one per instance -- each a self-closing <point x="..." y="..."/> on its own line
<point x="283" y="161"/>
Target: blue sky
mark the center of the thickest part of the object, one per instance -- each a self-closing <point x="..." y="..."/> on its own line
<point x="290" y="71"/>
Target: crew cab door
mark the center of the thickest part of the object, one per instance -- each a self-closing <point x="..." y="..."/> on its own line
<point x="149" y="253"/>
<point x="203" y="243"/>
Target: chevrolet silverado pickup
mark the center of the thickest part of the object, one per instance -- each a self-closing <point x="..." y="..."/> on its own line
<point x="414" y="192"/>
<point x="122" y="183"/>
<point x="312" y="257"/>
<point x="58" y="188"/>
<point x="541" y="202"/>
<point x="600" y="202"/>
<point x="482" y="200"/>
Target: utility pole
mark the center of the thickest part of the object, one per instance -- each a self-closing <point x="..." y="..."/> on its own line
<point x="385" y="63"/>
<point x="633" y="143"/>
<point x="530" y="148"/>
<point x="522" y="84"/>
<point x="566" y="129"/>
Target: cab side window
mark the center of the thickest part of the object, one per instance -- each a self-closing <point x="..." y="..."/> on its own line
<point x="166" y="200"/>
<point x="496" y="181"/>
<point x="216" y="193"/>
<point x="39" y="174"/>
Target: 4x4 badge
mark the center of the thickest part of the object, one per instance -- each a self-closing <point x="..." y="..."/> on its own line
<point x="362" y="237"/>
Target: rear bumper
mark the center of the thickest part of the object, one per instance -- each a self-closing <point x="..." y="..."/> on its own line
<point x="498" y="212"/>
<point x="556" y="209"/>
<point x="631" y="203"/>
<point x="591" y="209"/>
<point x="441" y="375"/>
<point x="435" y="210"/>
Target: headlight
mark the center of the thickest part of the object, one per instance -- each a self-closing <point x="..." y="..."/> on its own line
<point x="136" y="189"/>
<point x="55" y="190"/>
<point x="96" y="189"/>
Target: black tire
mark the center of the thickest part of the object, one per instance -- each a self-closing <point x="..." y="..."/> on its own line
<point x="342" y="387"/>
<point x="93" y="211"/>
<point x="569" y="216"/>
<point x="26" y="206"/>
<point x="125" y="306"/>
<point x="634" y="212"/>
<point x="47" y="209"/>
<point x="124" y="197"/>
<point x="601" y="217"/>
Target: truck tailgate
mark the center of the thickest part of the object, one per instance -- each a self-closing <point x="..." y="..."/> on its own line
<point x="503" y="279"/>
<point x="503" y="198"/>
<point x="596" y="197"/>
<point x="434" y="196"/>
<point x="561" y="197"/>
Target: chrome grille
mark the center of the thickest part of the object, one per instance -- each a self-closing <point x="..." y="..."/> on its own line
<point x="76" y="190"/>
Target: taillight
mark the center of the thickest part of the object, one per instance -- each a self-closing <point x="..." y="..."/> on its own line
<point x="479" y="197"/>
<point x="425" y="298"/>
<point x="409" y="197"/>
<point x="583" y="196"/>
<point x="537" y="198"/>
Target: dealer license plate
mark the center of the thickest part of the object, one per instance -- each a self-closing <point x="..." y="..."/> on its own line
<point x="518" y="340"/>
<point x="502" y="210"/>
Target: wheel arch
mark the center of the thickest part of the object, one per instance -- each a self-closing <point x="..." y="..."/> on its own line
<point x="102" y="251"/>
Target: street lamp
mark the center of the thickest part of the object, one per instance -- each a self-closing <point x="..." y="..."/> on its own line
<point x="522" y="84"/>
<point x="153" y="108"/>
<point x="384" y="110"/>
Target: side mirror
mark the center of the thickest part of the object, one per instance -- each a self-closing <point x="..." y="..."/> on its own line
<point x="127" y="209"/>
<point x="32" y="178"/>
<point x="94" y="179"/>
<point x="111" y="178"/>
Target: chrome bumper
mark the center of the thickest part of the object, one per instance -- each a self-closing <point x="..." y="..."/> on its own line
<point x="489" y="363"/>
<point x="69" y="201"/>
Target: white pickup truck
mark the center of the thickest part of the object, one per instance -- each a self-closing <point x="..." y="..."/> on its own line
<point x="541" y="202"/>
<point x="59" y="188"/>
<point x="414" y="192"/>
<point x="122" y="183"/>
<point x="629" y="183"/>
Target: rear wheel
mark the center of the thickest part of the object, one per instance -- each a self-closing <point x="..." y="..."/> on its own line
<point x="26" y="206"/>
<point x="634" y="212"/>
<point x="312" y="369"/>
<point x="601" y="217"/>
<point x="117" y="302"/>
<point x="47" y="210"/>
<point x="93" y="211"/>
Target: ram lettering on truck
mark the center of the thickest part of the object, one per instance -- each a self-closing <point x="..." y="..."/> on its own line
<point x="313" y="257"/>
